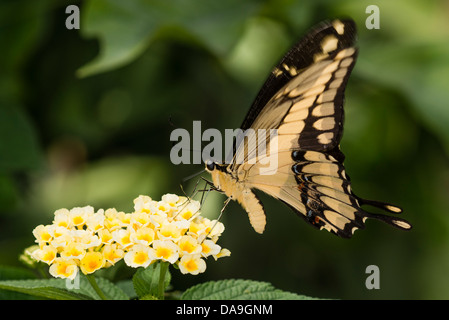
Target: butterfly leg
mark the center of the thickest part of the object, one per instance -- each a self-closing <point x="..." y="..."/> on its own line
<point x="219" y="217"/>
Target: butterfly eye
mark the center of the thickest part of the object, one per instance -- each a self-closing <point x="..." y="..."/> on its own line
<point x="210" y="165"/>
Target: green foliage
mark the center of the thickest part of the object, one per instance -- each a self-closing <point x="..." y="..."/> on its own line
<point x="57" y="289"/>
<point x="126" y="29"/>
<point x="146" y="282"/>
<point x="46" y="288"/>
<point x="238" y="290"/>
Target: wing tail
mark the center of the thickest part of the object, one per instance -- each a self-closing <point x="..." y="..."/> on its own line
<point x="394" y="221"/>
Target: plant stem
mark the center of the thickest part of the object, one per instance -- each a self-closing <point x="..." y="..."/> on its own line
<point x="42" y="273"/>
<point x="94" y="285"/>
<point x="162" y="272"/>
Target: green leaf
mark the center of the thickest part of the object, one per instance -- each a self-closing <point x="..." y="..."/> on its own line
<point x="60" y="289"/>
<point x="127" y="287"/>
<point x="47" y="288"/>
<point x="239" y="290"/>
<point x="18" y="144"/>
<point x="14" y="273"/>
<point x="148" y="297"/>
<point x="146" y="280"/>
<point x="126" y="28"/>
<point x="111" y="291"/>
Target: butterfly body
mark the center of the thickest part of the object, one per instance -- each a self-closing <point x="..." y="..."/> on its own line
<point x="302" y="100"/>
<point x="241" y="192"/>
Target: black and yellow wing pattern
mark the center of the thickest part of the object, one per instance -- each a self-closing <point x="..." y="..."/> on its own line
<point x="303" y="100"/>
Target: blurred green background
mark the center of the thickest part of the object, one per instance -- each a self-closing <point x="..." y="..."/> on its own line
<point x="86" y="115"/>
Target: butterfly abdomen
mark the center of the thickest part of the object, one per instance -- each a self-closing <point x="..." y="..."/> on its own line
<point x="239" y="192"/>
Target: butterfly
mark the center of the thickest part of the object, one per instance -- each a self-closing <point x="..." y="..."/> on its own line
<point x="302" y="100"/>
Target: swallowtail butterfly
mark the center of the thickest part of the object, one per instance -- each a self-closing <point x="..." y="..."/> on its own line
<point x="303" y="99"/>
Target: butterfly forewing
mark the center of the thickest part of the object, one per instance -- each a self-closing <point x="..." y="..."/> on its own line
<point x="301" y="56"/>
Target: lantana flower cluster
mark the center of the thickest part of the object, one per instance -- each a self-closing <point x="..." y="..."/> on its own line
<point x="170" y="230"/>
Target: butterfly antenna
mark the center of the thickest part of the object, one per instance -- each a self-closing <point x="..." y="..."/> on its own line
<point x="219" y="217"/>
<point x="203" y="198"/>
<point x="185" y="195"/>
<point x="185" y="203"/>
<point x="193" y="175"/>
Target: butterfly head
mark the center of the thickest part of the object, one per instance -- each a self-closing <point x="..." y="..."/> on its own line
<point x="210" y="165"/>
<point x="218" y="173"/>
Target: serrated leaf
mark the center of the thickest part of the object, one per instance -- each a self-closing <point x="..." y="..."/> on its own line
<point x="127" y="287"/>
<point x="148" y="297"/>
<point x="14" y="273"/>
<point x="58" y="289"/>
<point x="45" y="288"/>
<point x="146" y="280"/>
<point x="236" y="289"/>
<point x="111" y="291"/>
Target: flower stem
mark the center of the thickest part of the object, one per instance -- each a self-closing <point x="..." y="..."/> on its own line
<point x="42" y="272"/>
<point x="94" y="285"/>
<point x="162" y="272"/>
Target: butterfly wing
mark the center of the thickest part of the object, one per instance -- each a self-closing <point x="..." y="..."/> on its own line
<point x="301" y="56"/>
<point x="303" y="99"/>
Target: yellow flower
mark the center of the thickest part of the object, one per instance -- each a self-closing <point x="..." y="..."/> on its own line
<point x="222" y="253"/>
<point x="209" y="248"/>
<point x="139" y="256"/>
<point x="74" y="251"/>
<point x="62" y="218"/>
<point x="163" y="207"/>
<point x="144" y="204"/>
<point x="170" y="201"/>
<point x="140" y="219"/>
<point x="78" y="215"/>
<point x="198" y="227"/>
<point x="188" y="245"/>
<point x="112" y="253"/>
<point x="112" y="222"/>
<point x="43" y="234"/>
<point x="27" y="257"/>
<point x="91" y="262"/>
<point x="62" y="268"/>
<point x="125" y="218"/>
<point x="105" y="236"/>
<point x="62" y="242"/>
<point x="85" y="237"/>
<point x="122" y="237"/>
<point x="166" y="250"/>
<point x="173" y="230"/>
<point x="189" y="210"/>
<point x="95" y="222"/>
<point x="192" y="264"/>
<point x="46" y="254"/>
<point x="143" y="236"/>
<point x="216" y="229"/>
